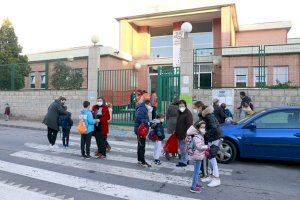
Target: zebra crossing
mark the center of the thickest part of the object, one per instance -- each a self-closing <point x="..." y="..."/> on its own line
<point x="120" y="165"/>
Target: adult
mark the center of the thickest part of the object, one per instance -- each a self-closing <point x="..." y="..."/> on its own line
<point x="51" y="119"/>
<point x="154" y="103"/>
<point x="197" y="109"/>
<point x="184" y="121"/>
<point x="100" y="111"/>
<point x="142" y="117"/>
<point x="219" y="112"/>
<point x="172" y="115"/>
<point x="245" y="100"/>
<point x="213" y="137"/>
<point x="226" y="110"/>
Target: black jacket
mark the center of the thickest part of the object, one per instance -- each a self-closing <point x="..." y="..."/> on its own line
<point x="212" y="125"/>
<point x="219" y="114"/>
<point x="184" y="121"/>
<point x="247" y="100"/>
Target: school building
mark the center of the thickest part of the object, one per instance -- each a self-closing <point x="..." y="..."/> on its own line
<point x="226" y="53"/>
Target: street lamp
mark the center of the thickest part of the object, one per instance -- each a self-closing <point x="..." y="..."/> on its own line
<point x="95" y="39"/>
<point x="186" y="27"/>
<point x="137" y="66"/>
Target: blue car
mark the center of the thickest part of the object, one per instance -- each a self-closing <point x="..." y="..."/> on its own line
<point x="272" y="133"/>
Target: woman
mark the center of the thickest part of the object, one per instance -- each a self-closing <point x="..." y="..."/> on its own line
<point x="184" y="121"/>
<point x="172" y="115"/>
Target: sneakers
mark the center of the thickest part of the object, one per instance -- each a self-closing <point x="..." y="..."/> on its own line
<point x="195" y="190"/>
<point x="214" y="182"/>
<point x="206" y="179"/>
<point x="157" y="162"/>
<point x="139" y="163"/>
<point x="180" y="164"/>
<point x="88" y="157"/>
<point x="108" y="148"/>
<point x="145" y="164"/>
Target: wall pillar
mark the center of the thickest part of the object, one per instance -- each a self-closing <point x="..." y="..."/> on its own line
<point x="93" y="68"/>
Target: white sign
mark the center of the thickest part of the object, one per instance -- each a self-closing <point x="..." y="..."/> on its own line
<point x="92" y="95"/>
<point x="185" y="80"/>
<point x="185" y="90"/>
<point x="177" y="35"/>
<point x="225" y="96"/>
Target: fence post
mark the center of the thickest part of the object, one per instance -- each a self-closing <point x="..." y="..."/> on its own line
<point x="12" y="76"/>
<point x="46" y="74"/>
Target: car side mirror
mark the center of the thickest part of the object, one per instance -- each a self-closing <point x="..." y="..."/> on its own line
<point x="252" y="126"/>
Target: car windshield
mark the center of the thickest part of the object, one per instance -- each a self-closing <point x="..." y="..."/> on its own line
<point x="249" y="117"/>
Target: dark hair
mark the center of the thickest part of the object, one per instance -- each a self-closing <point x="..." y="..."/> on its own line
<point x="243" y="93"/>
<point x="204" y="107"/>
<point x="159" y="116"/>
<point x="153" y="91"/>
<point x="86" y="104"/>
<point x="104" y="101"/>
<point x="175" y="101"/>
<point x="182" y="102"/>
<point x="198" y="124"/>
<point x="62" y="98"/>
<point x="199" y="104"/>
<point x="223" y="105"/>
<point x="147" y="101"/>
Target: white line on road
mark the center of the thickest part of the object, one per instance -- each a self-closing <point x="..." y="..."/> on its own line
<point x="106" y="168"/>
<point x="85" y="184"/>
<point x="121" y="158"/>
<point x="8" y="192"/>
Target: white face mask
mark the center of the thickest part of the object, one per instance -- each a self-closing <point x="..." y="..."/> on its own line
<point x="149" y="108"/>
<point x="195" y="111"/>
<point x="182" y="109"/>
<point x="100" y="103"/>
<point x="202" y="130"/>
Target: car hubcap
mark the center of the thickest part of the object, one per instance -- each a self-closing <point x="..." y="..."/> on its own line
<point x="225" y="152"/>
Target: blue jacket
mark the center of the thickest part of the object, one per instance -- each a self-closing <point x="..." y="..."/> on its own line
<point x="65" y="121"/>
<point x="157" y="129"/>
<point x="141" y="116"/>
<point x="228" y="113"/>
<point x="89" y="120"/>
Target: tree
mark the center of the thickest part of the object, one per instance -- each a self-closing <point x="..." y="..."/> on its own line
<point x="11" y="60"/>
<point x="66" y="78"/>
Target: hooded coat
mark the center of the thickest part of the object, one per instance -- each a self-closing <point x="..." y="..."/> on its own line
<point x="212" y="125"/>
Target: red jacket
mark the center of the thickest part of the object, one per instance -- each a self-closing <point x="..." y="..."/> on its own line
<point x="105" y="117"/>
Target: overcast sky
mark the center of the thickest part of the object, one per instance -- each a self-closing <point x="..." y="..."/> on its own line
<point x="43" y="25"/>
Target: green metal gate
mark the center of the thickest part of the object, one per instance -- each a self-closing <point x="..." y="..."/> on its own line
<point x="168" y="87"/>
<point x="117" y="87"/>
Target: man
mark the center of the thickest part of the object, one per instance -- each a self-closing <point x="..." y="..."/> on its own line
<point x="142" y="117"/>
<point x="219" y="112"/>
<point x="51" y="119"/>
<point x="154" y="103"/>
<point x="245" y="100"/>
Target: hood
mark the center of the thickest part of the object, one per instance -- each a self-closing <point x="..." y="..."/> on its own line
<point x="140" y="105"/>
<point x="85" y="111"/>
<point x="208" y="110"/>
<point x="192" y="131"/>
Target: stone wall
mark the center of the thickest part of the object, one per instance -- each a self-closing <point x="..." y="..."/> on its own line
<point x="33" y="105"/>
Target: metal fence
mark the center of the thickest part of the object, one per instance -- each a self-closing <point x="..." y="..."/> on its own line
<point x="264" y="66"/>
<point x="12" y="76"/>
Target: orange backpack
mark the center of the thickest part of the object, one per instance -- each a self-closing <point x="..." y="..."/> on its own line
<point x="81" y="128"/>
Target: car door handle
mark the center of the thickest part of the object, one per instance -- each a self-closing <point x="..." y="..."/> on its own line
<point x="297" y="134"/>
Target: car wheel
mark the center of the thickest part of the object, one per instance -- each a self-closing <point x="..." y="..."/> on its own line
<point x="227" y="152"/>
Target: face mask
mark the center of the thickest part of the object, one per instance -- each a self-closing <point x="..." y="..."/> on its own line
<point x="182" y="109"/>
<point x="149" y="108"/>
<point x="195" y="111"/>
<point x="202" y="130"/>
<point x="100" y="103"/>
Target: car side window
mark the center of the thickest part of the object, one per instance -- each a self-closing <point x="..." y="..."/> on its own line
<point x="279" y="120"/>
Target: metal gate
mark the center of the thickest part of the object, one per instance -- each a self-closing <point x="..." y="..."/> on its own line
<point x="117" y="87"/>
<point x="168" y="87"/>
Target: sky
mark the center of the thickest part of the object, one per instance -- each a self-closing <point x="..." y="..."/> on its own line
<point x="44" y="25"/>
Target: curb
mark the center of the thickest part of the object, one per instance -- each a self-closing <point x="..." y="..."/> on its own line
<point x="115" y="136"/>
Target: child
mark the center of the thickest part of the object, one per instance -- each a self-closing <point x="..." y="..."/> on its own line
<point x="109" y="105"/>
<point x="66" y="122"/>
<point x="229" y="116"/>
<point x="197" y="151"/>
<point x="7" y="112"/>
<point x="247" y="109"/>
<point x="157" y="135"/>
<point x="87" y="116"/>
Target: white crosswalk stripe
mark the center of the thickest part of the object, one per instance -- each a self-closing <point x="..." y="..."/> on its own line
<point x="85" y="184"/>
<point x="126" y="159"/>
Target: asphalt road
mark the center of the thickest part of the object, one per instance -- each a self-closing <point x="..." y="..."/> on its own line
<point x="30" y="170"/>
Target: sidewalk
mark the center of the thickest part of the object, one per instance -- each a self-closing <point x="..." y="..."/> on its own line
<point x="117" y="133"/>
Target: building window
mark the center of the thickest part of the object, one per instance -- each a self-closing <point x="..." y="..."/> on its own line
<point x="161" y="42"/>
<point x="32" y="80"/>
<point x="241" y="77"/>
<point x="203" y="38"/>
<point x="260" y="76"/>
<point x="43" y="79"/>
<point x="202" y="75"/>
<point x="281" y="75"/>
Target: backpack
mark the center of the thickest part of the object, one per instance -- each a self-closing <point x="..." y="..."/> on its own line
<point x="191" y="146"/>
<point x="81" y="128"/>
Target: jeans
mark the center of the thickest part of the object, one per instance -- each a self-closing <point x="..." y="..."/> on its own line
<point x="52" y="134"/>
<point x="183" y="153"/>
<point x="141" y="149"/>
<point x="154" y="112"/>
<point x="197" y="166"/>
<point x="86" y="144"/>
<point x="65" y="137"/>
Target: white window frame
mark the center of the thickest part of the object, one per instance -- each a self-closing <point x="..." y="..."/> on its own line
<point x="32" y="81"/>
<point x="254" y="74"/>
<point x="199" y="73"/>
<point x="275" y="74"/>
<point x="235" y="75"/>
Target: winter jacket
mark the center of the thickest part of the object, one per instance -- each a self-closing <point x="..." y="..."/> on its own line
<point x="101" y="113"/>
<point x="141" y="116"/>
<point x="228" y="113"/>
<point x="197" y="151"/>
<point x="212" y="125"/>
<point x="65" y="121"/>
<point x="219" y="114"/>
<point x="184" y="121"/>
<point x="172" y="115"/>
<point x="157" y="130"/>
<point x="7" y="110"/>
<point x="51" y="118"/>
<point x="247" y="100"/>
<point x="87" y="116"/>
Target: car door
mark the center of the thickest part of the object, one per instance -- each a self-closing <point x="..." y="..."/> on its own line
<point x="276" y="136"/>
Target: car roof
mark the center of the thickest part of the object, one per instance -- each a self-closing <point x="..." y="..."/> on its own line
<point x="283" y="108"/>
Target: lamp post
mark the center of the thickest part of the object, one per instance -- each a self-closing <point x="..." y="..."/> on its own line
<point x="93" y="69"/>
